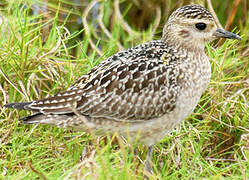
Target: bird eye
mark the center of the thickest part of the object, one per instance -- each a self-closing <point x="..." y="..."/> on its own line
<point x="200" y="26"/>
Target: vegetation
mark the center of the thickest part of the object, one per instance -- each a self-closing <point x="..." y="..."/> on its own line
<point x="45" y="47"/>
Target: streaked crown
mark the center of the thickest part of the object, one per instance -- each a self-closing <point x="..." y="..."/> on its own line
<point x="192" y="12"/>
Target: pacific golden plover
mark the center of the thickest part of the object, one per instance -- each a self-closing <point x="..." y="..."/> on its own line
<point x="145" y="90"/>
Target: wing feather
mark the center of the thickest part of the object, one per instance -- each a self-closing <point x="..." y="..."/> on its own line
<point x="137" y="84"/>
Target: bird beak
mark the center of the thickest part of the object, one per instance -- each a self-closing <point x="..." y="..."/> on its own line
<point x="226" y="34"/>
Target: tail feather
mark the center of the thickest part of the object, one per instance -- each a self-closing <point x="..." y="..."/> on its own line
<point x="32" y="119"/>
<point x="60" y="120"/>
<point x="18" y="105"/>
<point x="53" y="119"/>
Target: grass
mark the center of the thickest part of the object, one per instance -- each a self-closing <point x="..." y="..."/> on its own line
<point x="212" y="143"/>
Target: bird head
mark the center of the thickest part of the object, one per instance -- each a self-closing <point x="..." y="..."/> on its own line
<point x="192" y="26"/>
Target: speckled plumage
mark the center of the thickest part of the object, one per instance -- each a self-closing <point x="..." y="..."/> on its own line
<point x="145" y="90"/>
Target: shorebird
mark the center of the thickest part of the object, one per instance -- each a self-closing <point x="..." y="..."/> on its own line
<point x="142" y="92"/>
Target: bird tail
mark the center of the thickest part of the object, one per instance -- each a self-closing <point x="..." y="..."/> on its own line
<point x="32" y="119"/>
<point x="62" y="120"/>
<point x="18" y="105"/>
<point x="40" y="118"/>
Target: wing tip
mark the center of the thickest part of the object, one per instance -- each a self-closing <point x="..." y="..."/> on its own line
<point x="17" y="105"/>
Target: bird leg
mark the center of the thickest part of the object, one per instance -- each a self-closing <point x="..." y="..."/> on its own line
<point x="148" y="161"/>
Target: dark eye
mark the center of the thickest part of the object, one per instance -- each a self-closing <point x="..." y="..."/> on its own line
<point x="200" y="26"/>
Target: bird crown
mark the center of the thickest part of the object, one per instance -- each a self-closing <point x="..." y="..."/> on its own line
<point x="192" y="12"/>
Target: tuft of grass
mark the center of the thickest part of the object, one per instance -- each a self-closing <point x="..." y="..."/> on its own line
<point x="40" y="57"/>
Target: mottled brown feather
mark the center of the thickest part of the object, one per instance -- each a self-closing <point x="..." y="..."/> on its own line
<point x="121" y="88"/>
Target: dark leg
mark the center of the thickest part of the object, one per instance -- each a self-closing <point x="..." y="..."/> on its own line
<point x="148" y="161"/>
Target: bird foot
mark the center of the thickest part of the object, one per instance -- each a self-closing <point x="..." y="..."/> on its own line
<point x="148" y="166"/>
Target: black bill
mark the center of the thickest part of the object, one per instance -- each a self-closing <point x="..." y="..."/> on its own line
<point x="226" y="34"/>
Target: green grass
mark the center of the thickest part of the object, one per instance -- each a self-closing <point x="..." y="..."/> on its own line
<point x="212" y="143"/>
